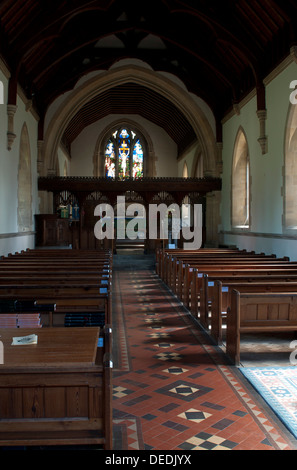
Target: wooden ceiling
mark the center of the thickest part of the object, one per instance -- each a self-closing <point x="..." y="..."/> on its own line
<point x="220" y="49"/>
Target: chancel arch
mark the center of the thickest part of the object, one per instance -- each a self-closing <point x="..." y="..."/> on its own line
<point x="197" y="170"/>
<point x="107" y="81"/>
<point x="95" y="87"/>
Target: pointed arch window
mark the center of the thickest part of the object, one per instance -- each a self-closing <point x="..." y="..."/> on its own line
<point x="290" y="174"/>
<point x="241" y="183"/>
<point x="24" y="183"/>
<point x="124" y="155"/>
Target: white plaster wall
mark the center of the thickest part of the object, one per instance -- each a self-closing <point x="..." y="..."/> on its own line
<point x="63" y="160"/>
<point x="265" y="233"/>
<point x="189" y="158"/>
<point x="83" y="148"/>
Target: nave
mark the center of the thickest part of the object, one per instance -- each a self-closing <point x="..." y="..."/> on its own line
<point x="172" y="388"/>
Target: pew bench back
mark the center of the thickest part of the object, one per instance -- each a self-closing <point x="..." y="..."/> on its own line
<point x="258" y="312"/>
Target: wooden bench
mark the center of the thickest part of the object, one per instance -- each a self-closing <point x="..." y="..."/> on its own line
<point x="162" y="256"/>
<point x="258" y="313"/>
<point x="179" y="268"/>
<point x="200" y="281"/>
<point x="232" y="273"/>
<point x="208" y="282"/>
<point x="196" y="258"/>
<point x="58" y="391"/>
<point x="174" y="262"/>
<point x="221" y="297"/>
<point x="170" y="260"/>
<point x="186" y="278"/>
<point x="75" y="281"/>
<point x="72" y="298"/>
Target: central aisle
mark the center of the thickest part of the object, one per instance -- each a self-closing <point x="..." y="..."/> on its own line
<point x="173" y="390"/>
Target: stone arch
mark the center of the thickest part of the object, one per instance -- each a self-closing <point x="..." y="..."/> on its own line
<point x="125" y="74"/>
<point x="197" y="170"/>
<point x="24" y="211"/>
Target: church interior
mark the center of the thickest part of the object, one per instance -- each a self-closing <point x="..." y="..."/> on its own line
<point x="116" y="334"/>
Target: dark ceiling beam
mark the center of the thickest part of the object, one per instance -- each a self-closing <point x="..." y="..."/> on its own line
<point x="220" y="50"/>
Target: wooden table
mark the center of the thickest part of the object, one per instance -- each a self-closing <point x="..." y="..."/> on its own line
<point x="52" y="392"/>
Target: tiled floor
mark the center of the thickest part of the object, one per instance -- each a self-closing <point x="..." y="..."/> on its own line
<point x="174" y="390"/>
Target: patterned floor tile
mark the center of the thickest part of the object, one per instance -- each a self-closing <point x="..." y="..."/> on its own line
<point x="161" y="418"/>
<point x="194" y="415"/>
<point x="184" y="390"/>
<point x="175" y="370"/>
<point x="168" y="356"/>
<point x="205" y="441"/>
<point x="120" y="392"/>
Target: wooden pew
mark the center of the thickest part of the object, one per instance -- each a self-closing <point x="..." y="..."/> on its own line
<point x="258" y="313"/>
<point x="183" y="264"/>
<point x="248" y="272"/>
<point x="174" y="263"/>
<point x="72" y="298"/>
<point x="180" y="267"/>
<point x="171" y="258"/>
<point x="76" y="283"/>
<point x="161" y="256"/>
<point x="221" y="297"/>
<point x="16" y="314"/>
<point x="52" y="393"/>
<point x="73" y="394"/>
<point x="208" y="284"/>
<point x="194" y="259"/>
<point x="185" y="257"/>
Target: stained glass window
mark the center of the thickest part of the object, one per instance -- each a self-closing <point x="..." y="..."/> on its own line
<point x="124" y="155"/>
<point x="110" y="160"/>
<point x="137" y="160"/>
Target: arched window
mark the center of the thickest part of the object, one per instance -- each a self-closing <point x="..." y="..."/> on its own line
<point x="124" y="155"/>
<point x="24" y="183"/>
<point x="185" y="171"/>
<point x="240" y="183"/>
<point x="290" y="199"/>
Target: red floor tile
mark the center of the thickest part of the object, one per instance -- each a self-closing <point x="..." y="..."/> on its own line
<point x="155" y="398"/>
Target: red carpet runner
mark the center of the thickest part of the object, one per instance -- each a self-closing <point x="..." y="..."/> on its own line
<point x="173" y="389"/>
